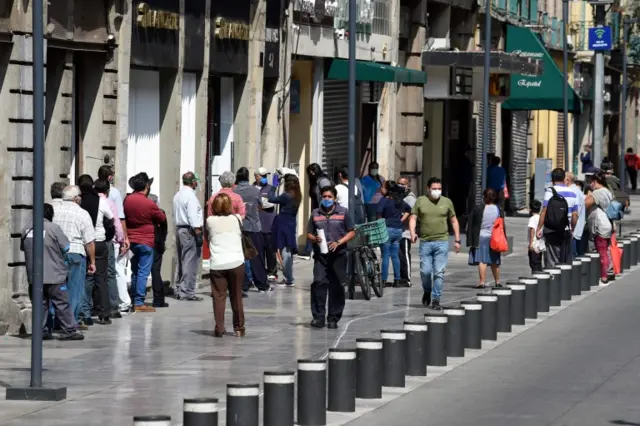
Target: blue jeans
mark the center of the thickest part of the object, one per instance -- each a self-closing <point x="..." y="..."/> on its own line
<point x="433" y="262"/>
<point x="77" y="271"/>
<point x="248" y="275"/>
<point x="287" y="265"/>
<point x="391" y="249"/>
<point x="141" y="263"/>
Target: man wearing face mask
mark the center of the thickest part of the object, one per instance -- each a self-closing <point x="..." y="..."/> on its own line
<point x="434" y="212"/>
<point x="405" y="244"/>
<point x="267" y="216"/>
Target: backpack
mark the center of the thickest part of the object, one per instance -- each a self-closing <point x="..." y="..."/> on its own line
<point x="556" y="218"/>
<point x="359" y="204"/>
<point x="109" y="228"/>
<point x="615" y="211"/>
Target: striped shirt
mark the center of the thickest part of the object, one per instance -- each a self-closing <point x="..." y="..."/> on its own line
<point x="568" y="194"/>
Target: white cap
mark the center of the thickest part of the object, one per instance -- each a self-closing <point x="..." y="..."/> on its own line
<point x="262" y="171"/>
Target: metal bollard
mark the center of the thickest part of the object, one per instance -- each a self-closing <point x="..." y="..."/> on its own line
<point x="565" y="281"/>
<point x="152" y="421"/>
<point x="200" y="412"/>
<point x="416" y="348"/>
<point x="369" y="368"/>
<point x="544" y="290"/>
<point x="312" y="393"/>
<point x="436" y="339"/>
<point x="595" y="269"/>
<point x="455" y="331"/>
<point x="243" y="402"/>
<point x="472" y="325"/>
<point x="517" y="302"/>
<point x="342" y="380"/>
<point x="489" y="321"/>
<point x="621" y="247"/>
<point x="279" y="394"/>
<point x="503" y="309"/>
<point x="585" y="273"/>
<point x="634" y="249"/>
<point x="530" y="297"/>
<point x="576" y="271"/>
<point x="554" y="286"/>
<point x="637" y="235"/>
<point x="394" y="358"/>
<point x="626" y="254"/>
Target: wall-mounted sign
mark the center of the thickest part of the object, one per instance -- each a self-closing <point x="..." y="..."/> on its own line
<point x="231" y="30"/>
<point x="161" y="19"/>
<point x="600" y="38"/>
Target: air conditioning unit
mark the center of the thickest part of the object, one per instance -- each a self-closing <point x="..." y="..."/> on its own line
<point x="438" y="43"/>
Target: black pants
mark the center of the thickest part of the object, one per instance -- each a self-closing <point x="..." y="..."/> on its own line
<point x="405" y="259"/>
<point x="156" y="278"/>
<point x="100" y="282"/>
<point x="633" y="177"/>
<point x="270" y="253"/>
<point x="558" y="248"/>
<point x="329" y="273"/>
<point x="257" y="263"/>
<point x="535" y="261"/>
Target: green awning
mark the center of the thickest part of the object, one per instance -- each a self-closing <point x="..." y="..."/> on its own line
<point x="372" y="71"/>
<point x="544" y="92"/>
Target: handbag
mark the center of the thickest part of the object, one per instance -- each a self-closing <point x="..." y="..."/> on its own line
<point x="248" y="249"/>
<point x="498" y="238"/>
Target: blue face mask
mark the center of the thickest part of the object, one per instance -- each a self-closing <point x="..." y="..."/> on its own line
<point x="263" y="181"/>
<point x="327" y="203"/>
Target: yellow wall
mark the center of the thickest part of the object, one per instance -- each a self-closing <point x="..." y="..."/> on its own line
<point x="300" y="137"/>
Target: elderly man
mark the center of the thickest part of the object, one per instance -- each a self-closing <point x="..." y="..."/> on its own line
<point x="76" y="225"/>
<point x="188" y="220"/>
<point x="227" y="181"/>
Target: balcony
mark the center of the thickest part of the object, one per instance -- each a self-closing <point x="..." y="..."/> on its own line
<point x="373" y="15"/>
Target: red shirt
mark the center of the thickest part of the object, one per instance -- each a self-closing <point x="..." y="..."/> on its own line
<point x="141" y="213"/>
<point x="237" y="204"/>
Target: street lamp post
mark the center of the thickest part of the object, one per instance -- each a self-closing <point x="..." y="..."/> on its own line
<point x="565" y="88"/>
<point x="352" y="129"/>
<point x="486" y="115"/>
<point x="625" y="83"/>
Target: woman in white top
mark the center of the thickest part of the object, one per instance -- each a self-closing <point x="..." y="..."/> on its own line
<point x="226" y="265"/>
<point x="597" y="202"/>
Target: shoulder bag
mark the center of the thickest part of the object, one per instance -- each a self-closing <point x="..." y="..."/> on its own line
<point x="248" y="249"/>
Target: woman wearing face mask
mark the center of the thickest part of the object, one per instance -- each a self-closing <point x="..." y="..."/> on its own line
<point x="329" y="269"/>
<point x="597" y="202"/>
<point x="372" y="190"/>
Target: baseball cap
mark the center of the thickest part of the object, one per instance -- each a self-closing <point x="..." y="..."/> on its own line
<point x="262" y="171"/>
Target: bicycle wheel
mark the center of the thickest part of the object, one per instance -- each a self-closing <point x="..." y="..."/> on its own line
<point x="360" y="263"/>
<point x="375" y="274"/>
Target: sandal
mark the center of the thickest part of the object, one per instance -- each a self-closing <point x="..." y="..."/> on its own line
<point x="480" y="286"/>
<point x="498" y="285"/>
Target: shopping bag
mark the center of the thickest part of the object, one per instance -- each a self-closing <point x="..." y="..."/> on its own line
<point x="616" y="255"/>
<point x="498" y="237"/>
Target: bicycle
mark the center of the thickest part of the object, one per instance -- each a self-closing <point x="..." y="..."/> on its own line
<point x="365" y="262"/>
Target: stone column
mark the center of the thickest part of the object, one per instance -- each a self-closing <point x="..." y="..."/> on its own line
<point x="123" y="60"/>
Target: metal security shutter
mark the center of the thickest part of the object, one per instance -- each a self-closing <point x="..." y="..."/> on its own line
<point x="560" y="145"/>
<point x="371" y="91"/>
<point x="335" y="130"/>
<point x="491" y="145"/>
<point x="518" y="161"/>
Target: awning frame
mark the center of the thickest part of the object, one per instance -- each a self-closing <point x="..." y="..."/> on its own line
<point x="501" y="62"/>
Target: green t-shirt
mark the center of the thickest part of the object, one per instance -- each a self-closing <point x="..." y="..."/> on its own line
<point x="433" y="217"/>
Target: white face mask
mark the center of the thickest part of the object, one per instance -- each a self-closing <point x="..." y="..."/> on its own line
<point x="374" y="172"/>
<point x="436" y="193"/>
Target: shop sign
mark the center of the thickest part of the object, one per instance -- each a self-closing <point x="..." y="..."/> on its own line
<point x="160" y="19"/>
<point x="155" y="35"/>
<point x="231" y="30"/>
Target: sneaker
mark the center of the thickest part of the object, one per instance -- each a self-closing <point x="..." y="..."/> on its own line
<point x="426" y="299"/>
<point x="272" y="277"/>
<point x="303" y="257"/>
<point x="332" y="325"/>
<point x="436" y="305"/>
<point x="266" y="290"/>
<point x="82" y="326"/>
<point x="193" y="298"/>
<point x="281" y="283"/>
<point x="388" y="284"/>
<point x="144" y="308"/>
<point x="604" y="282"/>
<point x="76" y="335"/>
<point x="316" y="323"/>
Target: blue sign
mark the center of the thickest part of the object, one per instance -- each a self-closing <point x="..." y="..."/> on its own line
<point x="600" y="38"/>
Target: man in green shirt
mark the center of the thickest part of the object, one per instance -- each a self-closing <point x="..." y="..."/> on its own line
<point x="434" y="212"/>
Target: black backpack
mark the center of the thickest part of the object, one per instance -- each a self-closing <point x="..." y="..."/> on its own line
<point x="556" y="218"/>
<point x="109" y="228"/>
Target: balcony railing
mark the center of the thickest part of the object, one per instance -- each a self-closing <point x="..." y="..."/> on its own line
<point x="373" y="16"/>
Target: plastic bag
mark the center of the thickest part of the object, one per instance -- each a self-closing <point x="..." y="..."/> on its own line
<point x="539" y="245"/>
<point x="498" y="237"/>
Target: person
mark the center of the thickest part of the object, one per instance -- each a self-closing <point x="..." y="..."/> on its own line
<point x="317" y="181"/>
<point x="227" y="182"/>
<point x="405" y="243"/>
<point x="497" y="179"/>
<point x="284" y="225"/>
<point x="434" y="213"/>
<point x="395" y="213"/>
<point x="631" y="161"/>
<point x="597" y="202"/>
<point x="342" y="187"/>
<point x="103" y="188"/>
<point x="118" y="267"/>
<point x="535" y="257"/>
<point x="89" y="201"/>
<point x="54" y="275"/>
<point x="329" y="269"/>
<point x="613" y="183"/>
<point x="142" y="215"/>
<point x="267" y="215"/>
<point x="159" y="247"/>
<point x="252" y="227"/>
<point x="586" y="160"/>
<point x="558" y="217"/>
<point x="76" y="225"/>
<point x="479" y="232"/>
<point x="227" y="263"/>
<point x="188" y="221"/>
<point x="372" y="190"/>
<point x="576" y="244"/>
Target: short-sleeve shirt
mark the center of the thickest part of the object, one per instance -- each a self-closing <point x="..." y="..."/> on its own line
<point x="392" y="213"/>
<point x="568" y="194"/>
<point x="433" y="216"/>
<point x="116" y="197"/>
<point x="335" y="224"/>
<point x="56" y="245"/>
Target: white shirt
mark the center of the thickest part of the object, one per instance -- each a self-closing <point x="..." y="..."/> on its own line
<point x="76" y="224"/>
<point x="534" y="221"/>
<point x="103" y="211"/>
<point x="343" y="194"/>
<point x="187" y="210"/>
<point x="225" y="242"/>
<point x="116" y="197"/>
<point x="577" y="233"/>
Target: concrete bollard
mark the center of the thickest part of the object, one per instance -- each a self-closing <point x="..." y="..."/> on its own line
<point x="489" y="304"/>
<point x="369" y="368"/>
<point x="637" y="252"/>
<point x="530" y="297"/>
<point x="416" y="348"/>
<point x="152" y="421"/>
<point x="472" y="325"/>
<point x="585" y="273"/>
<point x="312" y="392"/>
<point x="279" y="398"/>
<point x="394" y="358"/>
<point x="342" y="380"/>
<point x="436" y="339"/>
<point x="503" y="309"/>
<point x="243" y="402"/>
<point x="544" y="290"/>
<point x="595" y="269"/>
<point x="634" y="249"/>
<point x="621" y="247"/>
<point x="455" y="331"/>
<point x="626" y="254"/>
<point x="517" y="302"/>
<point x="576" y="275"/>
<point x="554" y="286"/>
<point x="565" y="281"/>
<point x="200" y="412"/>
